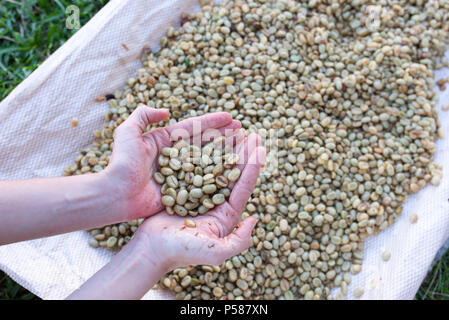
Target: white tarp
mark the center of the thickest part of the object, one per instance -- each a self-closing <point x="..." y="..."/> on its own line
<point x="36" y="140"/>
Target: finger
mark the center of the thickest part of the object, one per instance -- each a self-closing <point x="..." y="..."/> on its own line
<point x="236" y="140"/>
<point x="210" y="134"/>
<point x="245" y="184"/>
<point x="234" y="125"/>
<point x="195" y="126"/>
<point x="233" y="135"/>
<point x="236" y="242"/>
<point x="245" y="150"/>
<point x="229" y="213"/>
<point x="143" y="116"/>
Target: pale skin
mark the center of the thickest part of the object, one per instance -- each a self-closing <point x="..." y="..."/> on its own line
<point x="126" y="190"/>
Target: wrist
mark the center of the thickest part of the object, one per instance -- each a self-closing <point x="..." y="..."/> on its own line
<point x="130" y="193"/>
<point x="129" y="275"/>
<point x="113" y="195"/>
<point x="150" y="257"/>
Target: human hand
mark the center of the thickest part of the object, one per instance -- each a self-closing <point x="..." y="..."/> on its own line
<point x="168" y="241"/>
<point x="164" y="242"/>
<point x="134" y="158"/>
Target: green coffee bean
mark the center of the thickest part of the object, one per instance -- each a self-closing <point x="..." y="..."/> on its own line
<point x="218" y="199"/>
<point x="234" y="175"/>
<point x="182" y="197"/>
<point x="168" y="201"/>
<point x="209" y="188"/>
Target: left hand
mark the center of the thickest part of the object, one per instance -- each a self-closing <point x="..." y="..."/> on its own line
<point x="164" y="242"/>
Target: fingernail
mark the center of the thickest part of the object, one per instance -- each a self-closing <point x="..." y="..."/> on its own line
<point x="261" y="155"/>
<point x="254" y="222"/>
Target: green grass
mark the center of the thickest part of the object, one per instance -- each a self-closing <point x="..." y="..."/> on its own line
<point x="9" y="290"/>
<point x="436" y="285"/>
<point x="32" y="30"/>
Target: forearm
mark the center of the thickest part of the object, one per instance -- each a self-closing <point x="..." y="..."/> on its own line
<point x="44" y="207"/>
<point x="128" y="276"/>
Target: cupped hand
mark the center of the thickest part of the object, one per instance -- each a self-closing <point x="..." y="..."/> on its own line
<point x="217" y="235"/>
<point x="135" y="154"/>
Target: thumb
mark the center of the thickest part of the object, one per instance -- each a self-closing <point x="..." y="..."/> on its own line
<point x="142" y="117"/>
<point x="237" y="241"/>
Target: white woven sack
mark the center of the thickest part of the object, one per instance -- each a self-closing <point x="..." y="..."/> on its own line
<point x="36" y="140"/>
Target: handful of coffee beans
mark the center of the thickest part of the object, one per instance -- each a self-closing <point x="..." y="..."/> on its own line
<point x="196" y="179"/>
